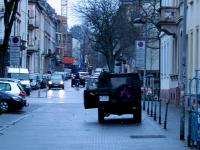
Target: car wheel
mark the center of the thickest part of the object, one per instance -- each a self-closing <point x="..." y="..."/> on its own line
<point x="4" y="106"/>
<point x="100" y="115"/>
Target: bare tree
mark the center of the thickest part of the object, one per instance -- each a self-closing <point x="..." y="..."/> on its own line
<point x="112" y="32"/>
<point x="150" y="14"/>
<point x="11" y="7"/>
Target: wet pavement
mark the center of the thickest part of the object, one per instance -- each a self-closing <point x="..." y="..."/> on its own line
<point x="55" y="124"/>
<point x="69" y="126"/>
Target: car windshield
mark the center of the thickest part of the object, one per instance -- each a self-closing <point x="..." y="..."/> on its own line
<point x="32" y="76"/>
<point x="83" y="73"/>
<point x="20" y="76"/>
<point x="56" y="77"/>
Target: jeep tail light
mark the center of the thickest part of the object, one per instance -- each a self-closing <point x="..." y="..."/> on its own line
<point x="22" y="93"/>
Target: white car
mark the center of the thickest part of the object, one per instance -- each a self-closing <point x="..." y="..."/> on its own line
<point x="14" y="88"/>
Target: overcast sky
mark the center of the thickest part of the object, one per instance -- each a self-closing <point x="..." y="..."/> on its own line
<point x="72" y="15"/>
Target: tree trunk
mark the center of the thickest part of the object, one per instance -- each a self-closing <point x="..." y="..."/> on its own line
<point x="2" y="60"/>
<point x="111" y="63"/>
<point x="9" y="17"/>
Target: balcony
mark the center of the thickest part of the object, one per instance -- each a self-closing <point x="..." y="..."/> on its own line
<point x="169" y="19"/>
<point x="33" y="48"/>
<point x="32" y="24"/>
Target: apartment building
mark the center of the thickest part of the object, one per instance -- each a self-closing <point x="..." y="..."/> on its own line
<point x="171" y="22"/>
<point x="193" y="27"/>
<point x="41" y="37"/>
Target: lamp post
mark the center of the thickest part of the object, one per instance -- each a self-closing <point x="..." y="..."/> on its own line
<point x="182" y="80"/>
<point x="140" y="22"/>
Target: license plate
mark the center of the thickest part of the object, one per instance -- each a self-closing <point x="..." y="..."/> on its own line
<point x="104" y="98"/>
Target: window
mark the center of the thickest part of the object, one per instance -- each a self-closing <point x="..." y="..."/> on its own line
<point x="191" y="54"/>
<point x="5" y="87"/>
<point x="1" y="29"/>
<point x="197" y="47"/>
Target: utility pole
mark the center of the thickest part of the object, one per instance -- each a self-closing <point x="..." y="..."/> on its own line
<point x="182" y="72"/>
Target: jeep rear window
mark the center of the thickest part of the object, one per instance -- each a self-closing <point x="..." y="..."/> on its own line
<point x="117" y="82"/>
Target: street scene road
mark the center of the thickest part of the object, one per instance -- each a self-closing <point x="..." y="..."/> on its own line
<point x="58" y="121"/>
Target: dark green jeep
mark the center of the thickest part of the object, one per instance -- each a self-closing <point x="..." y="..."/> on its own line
<point x="115" y="94"/>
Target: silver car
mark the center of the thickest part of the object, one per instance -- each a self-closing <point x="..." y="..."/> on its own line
<point x="56" y="80"/>
<point x="14" y="88"/>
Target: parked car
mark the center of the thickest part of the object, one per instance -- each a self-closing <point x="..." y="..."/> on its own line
<point x="21" y="74"/>
<point x="11" y="102"/>
<point x="12" y="86"/>
<point x="34" y="81"/>
<point x="56" y="81"/>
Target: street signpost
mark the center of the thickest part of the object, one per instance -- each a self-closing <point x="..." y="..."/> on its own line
<point x="14" y="51"/>
<point x="139" y="55"/>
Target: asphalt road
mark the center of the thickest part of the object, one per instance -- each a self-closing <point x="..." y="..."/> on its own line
<point x="58" y="121"/>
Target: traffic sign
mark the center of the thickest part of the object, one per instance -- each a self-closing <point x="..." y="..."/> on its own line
<point x="14" y="56"/>
<point x="140" y="44"/>
<point x="139" y="55"/>
<point x="15" y="41"/>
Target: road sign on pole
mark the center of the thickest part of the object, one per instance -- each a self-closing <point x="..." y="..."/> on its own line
<point x="139" y="55"/>
<point x="14" y="51"/>
<point x="15" y="41"/>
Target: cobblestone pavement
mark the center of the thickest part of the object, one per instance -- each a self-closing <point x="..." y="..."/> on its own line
<point x="68" y="126"/>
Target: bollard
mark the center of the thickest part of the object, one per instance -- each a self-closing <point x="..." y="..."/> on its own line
<point x="39" y="93"/>
<point x="151" y="107"/>
<point x="155" y="107"/>
<point x="166" y="112"/>
<point x="189" y="129"/>
<point x="159" y="118"/>
<point x="148" y="106"/>
<point x="46" y="92"/>
<point x="0" y="108"/>
<point x="144" y="103"/>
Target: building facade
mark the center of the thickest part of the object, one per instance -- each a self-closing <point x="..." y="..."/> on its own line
<point x="171" y="22"/>
<point x="193" y="27"/>
<point x="39" y="29"/>
<point x="16" y="55"/>
<point x="41" y="37"/>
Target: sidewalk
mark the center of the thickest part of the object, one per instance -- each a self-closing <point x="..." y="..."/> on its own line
<point x="82" y="124"/>
<point x="173" y="120"/>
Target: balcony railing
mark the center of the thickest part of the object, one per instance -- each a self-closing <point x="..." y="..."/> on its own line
<point x="169" y="15"/>
<point x="33" y="47"/>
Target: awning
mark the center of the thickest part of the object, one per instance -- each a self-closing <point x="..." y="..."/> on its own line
<point x="68" y="60"/>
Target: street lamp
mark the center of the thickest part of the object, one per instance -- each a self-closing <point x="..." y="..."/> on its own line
<point x="139" y="22"/>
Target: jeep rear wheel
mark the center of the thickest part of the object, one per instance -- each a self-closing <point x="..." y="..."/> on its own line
<point x="137" y="116"/>
<point x="100" y="115"/>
